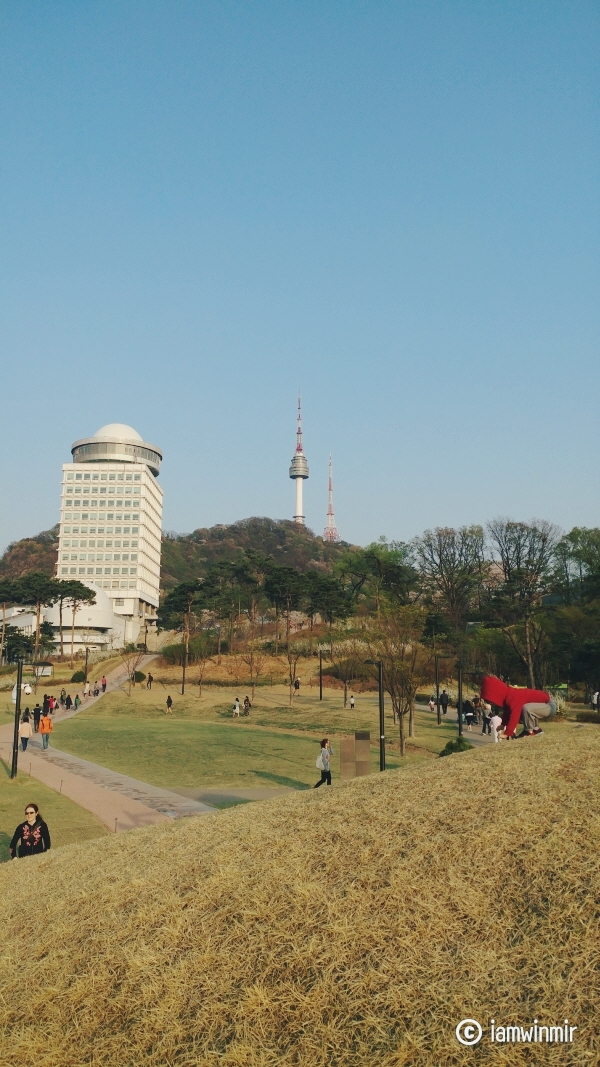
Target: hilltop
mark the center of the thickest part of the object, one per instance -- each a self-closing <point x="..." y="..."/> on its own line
<point x="187" y="556"/>
<point x="36" y="553"/>
<point x="350" y="926"/>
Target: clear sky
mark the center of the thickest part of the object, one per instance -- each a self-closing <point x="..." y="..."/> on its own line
<point x="391" y="206"/>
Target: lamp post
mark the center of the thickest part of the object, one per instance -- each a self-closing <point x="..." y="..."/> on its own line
<point x="379" y="664"/>
<point x="15" y="751"/>
<point x="459" y="670"/>
<point x="87" y="652"/>
<point x="320" y="674"/>
<point x="437" y="683"/>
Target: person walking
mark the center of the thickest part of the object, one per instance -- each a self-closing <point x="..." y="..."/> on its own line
<point x="45" y="729"/>
<point x="324" y="762"/>
<point x="31" y="837"/>
<point x="149" y="681"/>
<point x="247" y="705"/>
<point x="77" y="701"/>
<point x="236" y="708"/>
<point x="68" y="702"/>
<point x="486" y="713"/>
<point x="297" y="685"/>
<point x="63" y="696"/>
<point x="86" y="690"/>
<point x="468" y="714"/>
<point x="37" y="714"/>
<point x="103" y="684"/>
<point x="46" y="704"/>
<point x="25" y="730"/>
<point x="169" y="703"/>
<point x="352" y="702"/>
<point x="595" y="698"/>
<point x="444" y="701"/>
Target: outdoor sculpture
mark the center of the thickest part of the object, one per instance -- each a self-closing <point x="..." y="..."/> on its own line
<point x="518" y="705"/>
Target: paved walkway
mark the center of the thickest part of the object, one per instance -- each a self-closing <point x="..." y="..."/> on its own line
<point x="120" y="802"/>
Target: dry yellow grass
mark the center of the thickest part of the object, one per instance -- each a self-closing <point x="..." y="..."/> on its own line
<point x="352" y="926"/>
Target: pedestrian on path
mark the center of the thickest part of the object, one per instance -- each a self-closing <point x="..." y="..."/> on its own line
<point x="486" y="713"/>
<point x="595" y="697"/>
<point x="45" y="730"/>
<point x="63" y="696"/>
<point x="103" y="683"/>
<point x="68" y="702"/>
<point x="25" y="730"/>
<point x="77" y="701"/>
<point x="236" y="708"/>
<point x="169" y="706"/>
<point x="351" y="703"/>
<point x="444" y="701"/>
<point x="86" y="690"/>
<point x="37" y="714"/>
<point x="32" y="836"/>
<point x="495" y="724"/>
<point x="149" y="681"/>
<point x="324" y="762"/>
<point x="46" y="704"/>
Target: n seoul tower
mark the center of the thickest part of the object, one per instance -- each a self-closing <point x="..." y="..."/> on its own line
<point x="299" y="469"/>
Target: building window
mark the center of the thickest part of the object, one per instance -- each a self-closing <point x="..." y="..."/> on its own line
<point x="120" y="478"/>
<point x="68" y="503"/>
<point x="119" y="601"/>
<point x="134" y="529"/>
<point x="103" y="479"/>
<point x="98" y="570"/>
<point x="115" y="585"/>
<point x="65" y="556"/>
<point x="73" y="555"/>
<point x="125" y="555"/>
<point x="72" y="570"/>
<point x="115" y="570"/>
<point x="123" y="585"/>
<point x="69" y="477"/>
<point x="103" y="488"/>
<point x="86" y="477"/>
<point x="133" y="570"/>
<point x="82" y="570"/>
<point x="124" y="570"/>
<point x="78" y="477"/>
<point x="107" y="570"/>
<point x="64" y="570"/>
<point x="111" y="478"/>
<point x="136" y="477"/>
<point x="135" y="518"/>
<point x="128" y="478"/>
<point x="90" y="570"/>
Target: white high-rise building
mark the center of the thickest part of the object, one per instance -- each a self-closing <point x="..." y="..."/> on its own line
<point x="111" y="522"/>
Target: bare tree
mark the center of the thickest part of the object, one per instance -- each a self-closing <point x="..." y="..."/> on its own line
<point x="395" y="640"/>
<point x="133" y="657"/>
<point x="254" y="658"/>
<point x="524" y="554"/>
<point x="453" y="567"/>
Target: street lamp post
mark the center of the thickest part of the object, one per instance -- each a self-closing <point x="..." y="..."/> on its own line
<point x="87" y="652"/>
<point x="379" y="664"/>
<point x="320" y="674"/>
<point x="437" y="683"/>
<point x="459" y="670"/>
<point x="15" y="751"/>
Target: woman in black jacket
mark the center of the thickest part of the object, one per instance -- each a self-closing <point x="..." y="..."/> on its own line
<point x="33" y="834"/>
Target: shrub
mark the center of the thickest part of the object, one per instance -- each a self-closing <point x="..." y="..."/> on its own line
<point x="459" y="745"/>
<point x="79" y="676"/>
<point x="587" y="716"/>
<point x="139" y="676"/>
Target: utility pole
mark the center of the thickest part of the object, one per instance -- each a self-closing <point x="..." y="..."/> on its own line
<point x="320" y="674"/>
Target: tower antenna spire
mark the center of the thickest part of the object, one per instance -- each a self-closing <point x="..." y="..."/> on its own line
<point x="299" y="468"/>
<point x="330" y="532"/>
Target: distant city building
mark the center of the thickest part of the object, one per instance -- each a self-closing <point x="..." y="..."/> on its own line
<point x="330" y="533"/>
<point x="111" y="524"/>
<point x="299" y="469"/>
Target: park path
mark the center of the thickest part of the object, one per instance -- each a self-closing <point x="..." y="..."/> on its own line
<point x="120" y="802"/>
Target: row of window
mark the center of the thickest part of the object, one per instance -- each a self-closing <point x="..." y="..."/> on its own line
<point x="127" y="491"/>
<point x="76" y="477"/>
<point x="98" y="570"/>
<point x="97" y="544"/>
<point x="102" y="516"/>
<point x="102" y="503"/>
<point x="97" y="555"/>
<point x="100" y="529"/>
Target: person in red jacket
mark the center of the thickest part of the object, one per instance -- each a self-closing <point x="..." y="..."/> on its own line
<point x="524" y="706"/>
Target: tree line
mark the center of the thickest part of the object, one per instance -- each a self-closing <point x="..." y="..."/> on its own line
<point x="37" y="590"/>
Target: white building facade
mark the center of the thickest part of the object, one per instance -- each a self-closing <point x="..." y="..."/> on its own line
<point x="111" y="523"/>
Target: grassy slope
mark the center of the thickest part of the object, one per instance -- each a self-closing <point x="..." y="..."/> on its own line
<point x="350" y="927"/>
<point x="68" y="823"/>
<point x="201" y="745"/>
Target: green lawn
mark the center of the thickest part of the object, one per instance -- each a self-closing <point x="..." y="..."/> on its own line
<point x="68" y="823"/>
<point x="200" y="745"/>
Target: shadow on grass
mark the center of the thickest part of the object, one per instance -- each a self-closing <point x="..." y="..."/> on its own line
<point x="5" y="767"/>
<point x="5" y="840"/>
<point x="280" y="779"/>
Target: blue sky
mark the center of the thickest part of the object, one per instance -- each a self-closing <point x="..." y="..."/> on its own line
<point x="391" y="206"/>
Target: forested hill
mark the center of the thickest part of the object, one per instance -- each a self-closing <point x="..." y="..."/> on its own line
<point x="187" y="556"/>
<point x="30" y="554"/>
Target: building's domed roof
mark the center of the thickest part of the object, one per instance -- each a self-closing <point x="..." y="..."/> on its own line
<point x="118" y="430"/>
<point x="99" y="615"/>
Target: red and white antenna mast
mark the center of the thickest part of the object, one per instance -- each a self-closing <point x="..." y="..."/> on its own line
<point x="330" y="533"/>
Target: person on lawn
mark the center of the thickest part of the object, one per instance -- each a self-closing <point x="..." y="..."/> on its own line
<point x="523" y="706"/>
<point x="32" y="836"/>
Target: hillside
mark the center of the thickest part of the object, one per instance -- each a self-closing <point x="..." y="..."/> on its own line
<point x="186" y="556"/>
<point x="30" y="554"/>
<point x="353" y="926"/>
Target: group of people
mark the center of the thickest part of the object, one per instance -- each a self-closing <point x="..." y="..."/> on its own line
<point x="236" y="707"/>
<point x="95" y="691"/>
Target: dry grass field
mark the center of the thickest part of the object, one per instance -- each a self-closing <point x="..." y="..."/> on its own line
<point x="345" y="927"/>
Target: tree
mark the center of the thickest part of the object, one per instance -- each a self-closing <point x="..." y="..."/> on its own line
<point x="381" y="567"/>
<point x="18" y="645"/>
<point x="133" y="657"/>
<point x="284" y="588"/>
<point x="46" y="638"/>
<point x="524" y="554"/>
<point x="577" y="565"/>
<point x="395" y="639"/>
<point x="327" y="597"/>
<point x="8" y="596"/>
<point x="347" y="652"/>
<point x="39" y="591"/>
<point x="453" y="569"/>
<point x="78" y="594"/>
<point x="179" y="610"/>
